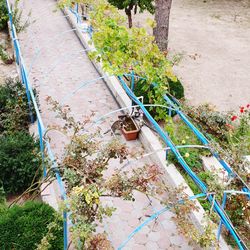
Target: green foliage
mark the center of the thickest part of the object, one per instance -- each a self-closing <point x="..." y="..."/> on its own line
<point x="14" y="109"/>
<point x="19" y="151"/>
<point x="19" y="161"/>
<point x="17" y="13"/>
<point x="23" y="227"/>
<point x="3" y="15"/>
<point x="234" y="137"/>
<point x="210" y="120"/>
<point x="2" y="193"/>
<point x="142" y="4"/>
<point x="141" y="89"/>
<point x="176" y="89"/>
<point x="204" y="203"/>
<point x="130" y="5"/>
<point x="125" y="48"/>
<point x="5" y="57"/>
<point x="238" y="210"/>
<point x="121" y="50"/>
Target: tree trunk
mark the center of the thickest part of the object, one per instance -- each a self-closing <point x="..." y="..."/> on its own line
<point x="128" y="12"/>
<point x="162" y="13"/>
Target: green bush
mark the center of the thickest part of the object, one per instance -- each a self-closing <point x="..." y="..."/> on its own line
<point x="14" y="108"/>
<point x="3" y="15"/>
<point x="19" y="161"/>
<point x="4" y="55"/>
<point x="175" y="89"/>
<point x="23" y="227"/>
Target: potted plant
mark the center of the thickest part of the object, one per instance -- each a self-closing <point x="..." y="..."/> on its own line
<point x="129" y="128"/>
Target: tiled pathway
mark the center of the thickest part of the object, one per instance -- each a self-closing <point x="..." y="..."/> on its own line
<point x="59" y="66"/>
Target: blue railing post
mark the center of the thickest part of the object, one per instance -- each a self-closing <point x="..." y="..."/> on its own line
<point x="40" y="132"/>
<point x="65" y="231"/>
<point x="24" y="80"/>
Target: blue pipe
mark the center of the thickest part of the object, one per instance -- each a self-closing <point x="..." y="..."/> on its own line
<point x="132" y="81"/>
<point x="152" y="217"/>
<point x="224" y="199"/>
<point x="41" y="147"/>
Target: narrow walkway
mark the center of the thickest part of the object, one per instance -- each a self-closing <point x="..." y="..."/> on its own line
<point x="59" y="66"/>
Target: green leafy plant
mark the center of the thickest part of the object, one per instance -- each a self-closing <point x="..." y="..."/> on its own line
<point x="238" y="209"/>
<point x="210" y="120"/>
<point x="2" y="193"/>
<point x="17" y="15"/>
<point x="122" y="50"/>
<point x="131" y="5"/>
<point x="5" y="57"/>
<point x="232" y="133"/>
<point x="141" y="89"/>
<point x="3" y="15"/>
<point x="20" y="161"/>
<point x="23" y="227"/>
<point x="14" y="108"/>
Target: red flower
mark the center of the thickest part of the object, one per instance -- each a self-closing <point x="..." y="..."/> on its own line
<point x="233" y="118"/>
<point x="241" y="110"/>
<point x="248" y="106"/>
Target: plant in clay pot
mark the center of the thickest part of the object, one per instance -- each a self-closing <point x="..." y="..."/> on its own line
<point x="130" y="129"/>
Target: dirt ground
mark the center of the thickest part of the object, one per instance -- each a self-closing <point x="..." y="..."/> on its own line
<point x="211" y="41"/>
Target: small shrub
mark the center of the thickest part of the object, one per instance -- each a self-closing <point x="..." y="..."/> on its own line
<point x="2" y="193"/>
<point x="18" y="21"/>
<point x="175" y="89"/>
<point x="209" y="120"/>
<point x="23" y="227"/>
<point x="16" y="14"/>
<point x="14" y="108"/>
<point x="19" y="161"/>
<point x="3" y="15"/>
<point x="5" y="57"/>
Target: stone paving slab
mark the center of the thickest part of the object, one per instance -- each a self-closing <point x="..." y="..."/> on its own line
<point x="61" y="67"/>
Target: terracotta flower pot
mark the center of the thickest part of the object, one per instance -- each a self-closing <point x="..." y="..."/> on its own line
<point x="130" y="129"/>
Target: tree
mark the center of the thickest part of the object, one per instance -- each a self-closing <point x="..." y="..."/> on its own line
<point x="162" y="13"/>
<point x="131" y="5"/>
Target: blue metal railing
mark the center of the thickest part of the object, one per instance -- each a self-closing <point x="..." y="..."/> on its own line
<point x="41" y="129"/>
